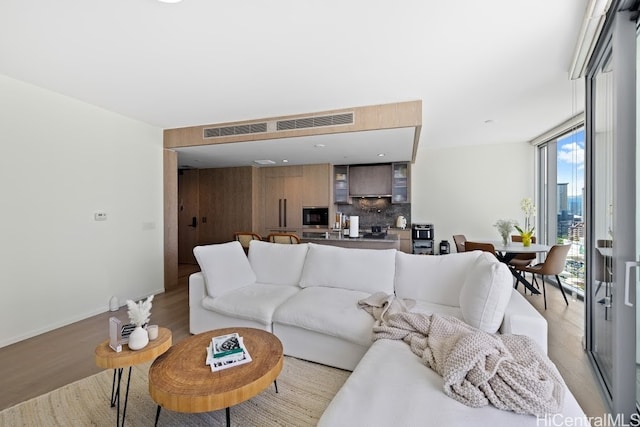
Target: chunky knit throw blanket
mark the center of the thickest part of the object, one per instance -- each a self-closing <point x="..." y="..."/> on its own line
<point x="508" y="371"/>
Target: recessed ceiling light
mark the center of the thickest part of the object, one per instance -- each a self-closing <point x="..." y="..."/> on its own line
<point x="381" y="155"/>
<point x="169" y="1"/>
<point x="319" y="145"/>
<point x="264" y="162"/>
<point x="285" y="161"/>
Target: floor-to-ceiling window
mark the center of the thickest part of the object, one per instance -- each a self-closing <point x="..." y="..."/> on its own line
<point x="561" y="200"/>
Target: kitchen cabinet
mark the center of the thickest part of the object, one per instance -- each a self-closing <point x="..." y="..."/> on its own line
<point x="400" y="181"/>
<point x="316" y="185"/>
<point x="341" y="184"/>
<point x="405" y="239"/>
<point x="283" y="203"/>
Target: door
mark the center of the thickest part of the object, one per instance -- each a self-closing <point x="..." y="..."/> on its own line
<point x="613" y="215"/>
<point x="188" y="210"/>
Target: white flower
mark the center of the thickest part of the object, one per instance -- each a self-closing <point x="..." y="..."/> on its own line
<point x="529" y="210"/>
<point x="140" y="312"/>
<point x="504" y="226"/>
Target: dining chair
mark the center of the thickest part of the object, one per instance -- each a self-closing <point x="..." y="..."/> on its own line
<point x="459" y="240"/>
<point x="285" y="238"/>
<point x="553" y="265"/>
<point x="478" y="246"/>
<point x="522" y="260"/>
<point x="245" y="237"/>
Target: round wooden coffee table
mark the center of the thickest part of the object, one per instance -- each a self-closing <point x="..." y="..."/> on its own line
<point x="180" y="381"/>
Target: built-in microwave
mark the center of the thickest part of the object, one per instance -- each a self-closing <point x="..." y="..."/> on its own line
<point x="315" y="217"/>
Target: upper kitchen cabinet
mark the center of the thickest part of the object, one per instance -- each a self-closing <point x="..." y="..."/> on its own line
<point x="341" y="184"/>
<point x="316" y="185"/>
<point x="401" y="179"/>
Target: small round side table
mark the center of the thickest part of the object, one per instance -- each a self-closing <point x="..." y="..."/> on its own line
<point x="107" y="358"/>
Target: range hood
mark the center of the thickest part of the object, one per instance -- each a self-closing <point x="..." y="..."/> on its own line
<point x="370" y="180"/>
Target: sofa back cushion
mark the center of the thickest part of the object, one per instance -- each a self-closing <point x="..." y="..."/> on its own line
<point x="225" y="267"/>
<point x="366" y="270"/>
<point x="485" y="293"/>
<point x="276" y="264"/>
<point x="436" y="279"/>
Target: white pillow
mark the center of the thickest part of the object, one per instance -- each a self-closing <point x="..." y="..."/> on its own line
<point x="277" y="264"/>
<point x="486" y="293"/>
<point x="225" y="267"/>
<point x="366" y="270"/>
<point x="435" y="279"/>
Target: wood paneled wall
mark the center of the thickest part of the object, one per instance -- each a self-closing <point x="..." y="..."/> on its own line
<point x="226" y="203"/>
<point x="170" y="190"/>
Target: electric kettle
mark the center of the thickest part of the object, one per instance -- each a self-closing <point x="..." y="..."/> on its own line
<point x="401" y="222"/>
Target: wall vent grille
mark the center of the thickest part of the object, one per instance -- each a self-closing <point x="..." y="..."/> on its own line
<point x="281" y="125"/>
<point x="313" y="122"/>
<point x="234" y="130"/>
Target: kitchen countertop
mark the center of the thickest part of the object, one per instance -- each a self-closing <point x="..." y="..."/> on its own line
<point x="332" y="235"/>
<point x="389" y="241"/>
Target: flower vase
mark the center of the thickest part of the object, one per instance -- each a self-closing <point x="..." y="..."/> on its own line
<point x="505" y="240"/>
<point x="138" y="339"/>
<point x="526" y="239"/>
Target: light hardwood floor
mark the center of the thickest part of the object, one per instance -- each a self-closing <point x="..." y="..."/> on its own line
<point x="46" y="362"/>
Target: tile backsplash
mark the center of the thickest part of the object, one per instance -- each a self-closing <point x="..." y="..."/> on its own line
<point x="376" y="211"/>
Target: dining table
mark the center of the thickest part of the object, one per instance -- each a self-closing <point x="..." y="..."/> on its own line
<point x="506" y="253"/>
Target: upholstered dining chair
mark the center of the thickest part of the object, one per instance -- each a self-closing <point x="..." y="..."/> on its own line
<point x="477" y="246"/>
<point x="245" y="237"/>
<point x="459" y="240"/>
<point x="522" y="259"/>
<point x="286" y="238"/>
<point x="553" y="265"/>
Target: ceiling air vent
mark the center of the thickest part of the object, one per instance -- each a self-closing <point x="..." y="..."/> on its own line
<point x="234" y="130"/>
<point x="314" y="122"/>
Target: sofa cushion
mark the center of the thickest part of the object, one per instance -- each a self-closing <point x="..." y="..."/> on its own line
<point x="436" y="279"/>
<point x="486" y="293"/>
<point x="365" y="270"/>
<point x="392" y="387"/>
<point x="252" y="302"/>
<point x="277" y="264"/>
<point x="225" y="267"/>
<point x="330" y="311"/>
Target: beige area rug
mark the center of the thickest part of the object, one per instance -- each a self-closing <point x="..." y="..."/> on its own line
<point x="304" y="391"/>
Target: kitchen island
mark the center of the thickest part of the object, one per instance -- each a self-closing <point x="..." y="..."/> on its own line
<point x="363" y="241"/>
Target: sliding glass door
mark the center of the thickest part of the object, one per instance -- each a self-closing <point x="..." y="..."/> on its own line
<point x="612" y="216"/>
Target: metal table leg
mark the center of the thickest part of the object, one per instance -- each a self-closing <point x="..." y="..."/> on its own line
<point x="115" y="394"/>
<point x="157" y="415"/>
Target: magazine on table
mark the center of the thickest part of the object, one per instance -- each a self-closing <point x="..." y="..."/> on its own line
<point x="227" y="351"/>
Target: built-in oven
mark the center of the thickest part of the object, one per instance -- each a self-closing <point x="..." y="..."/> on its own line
<point x="315" y="217"/>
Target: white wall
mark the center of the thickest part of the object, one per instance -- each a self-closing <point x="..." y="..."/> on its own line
<point x="61" y="161"/>
<point x="464" y="190"/>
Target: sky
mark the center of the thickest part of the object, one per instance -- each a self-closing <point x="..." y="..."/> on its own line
<point x="571" y="162"/>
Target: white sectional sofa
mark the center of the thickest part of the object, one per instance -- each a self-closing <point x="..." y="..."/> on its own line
<point x="308" y="295"/>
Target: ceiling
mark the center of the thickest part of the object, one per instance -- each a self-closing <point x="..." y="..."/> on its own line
<point x="486" y="72"/>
